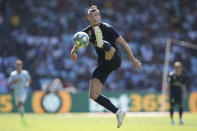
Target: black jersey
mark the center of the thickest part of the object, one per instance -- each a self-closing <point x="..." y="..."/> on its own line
<point x="109" y="35"/>
<point x="175" y="83"/>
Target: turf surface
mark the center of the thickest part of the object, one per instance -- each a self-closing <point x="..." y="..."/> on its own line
<point x="95" y="122"/>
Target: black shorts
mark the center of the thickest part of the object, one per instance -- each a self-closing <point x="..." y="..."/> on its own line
<point x="105" y="67"/>
<point x="176" y="100"/>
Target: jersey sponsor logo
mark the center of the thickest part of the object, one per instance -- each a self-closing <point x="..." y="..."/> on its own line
<point x="176" y="83"/>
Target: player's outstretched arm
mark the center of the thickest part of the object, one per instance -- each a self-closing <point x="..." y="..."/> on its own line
<point x="73" y="54"/>
<point x="127" y="49"/>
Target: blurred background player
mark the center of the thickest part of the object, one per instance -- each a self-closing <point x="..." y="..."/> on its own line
<point x="177" y="89"/>
<point x="104" y="37"/>
<point x="20" y="80"/>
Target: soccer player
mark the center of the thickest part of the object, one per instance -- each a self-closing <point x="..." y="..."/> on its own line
<point x="20" y="79"/>
<point x="104" y="38"/>
<point x="177" y="89"/>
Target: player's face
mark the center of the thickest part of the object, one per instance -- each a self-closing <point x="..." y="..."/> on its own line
<point x="94" y="18"/>
<point x="18" y="66"/>
<point x="178" y="70"/>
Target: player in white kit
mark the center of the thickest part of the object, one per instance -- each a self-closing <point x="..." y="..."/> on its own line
<point x="20" y="79"/>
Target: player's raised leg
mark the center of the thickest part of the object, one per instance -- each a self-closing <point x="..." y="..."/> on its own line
<point x="106" y="46"/>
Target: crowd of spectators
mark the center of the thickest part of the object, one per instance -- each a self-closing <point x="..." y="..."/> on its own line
<point x="40" y="33"/>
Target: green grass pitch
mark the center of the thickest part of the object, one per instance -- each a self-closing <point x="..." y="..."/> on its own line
<point x="95" y="122"/>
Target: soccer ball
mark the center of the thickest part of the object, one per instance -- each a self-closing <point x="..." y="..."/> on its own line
<point x="81" y="39"/>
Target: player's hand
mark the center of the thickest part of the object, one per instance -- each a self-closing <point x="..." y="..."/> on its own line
<point x="73" y="56"/>
<point x="136" y="63"/>
<point x="72" y="53"/>
<point x="27" y="84"/>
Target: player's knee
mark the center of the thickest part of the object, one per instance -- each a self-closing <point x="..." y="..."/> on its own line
<point x="106" y="46"/>
<point x="93" y="96"/>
